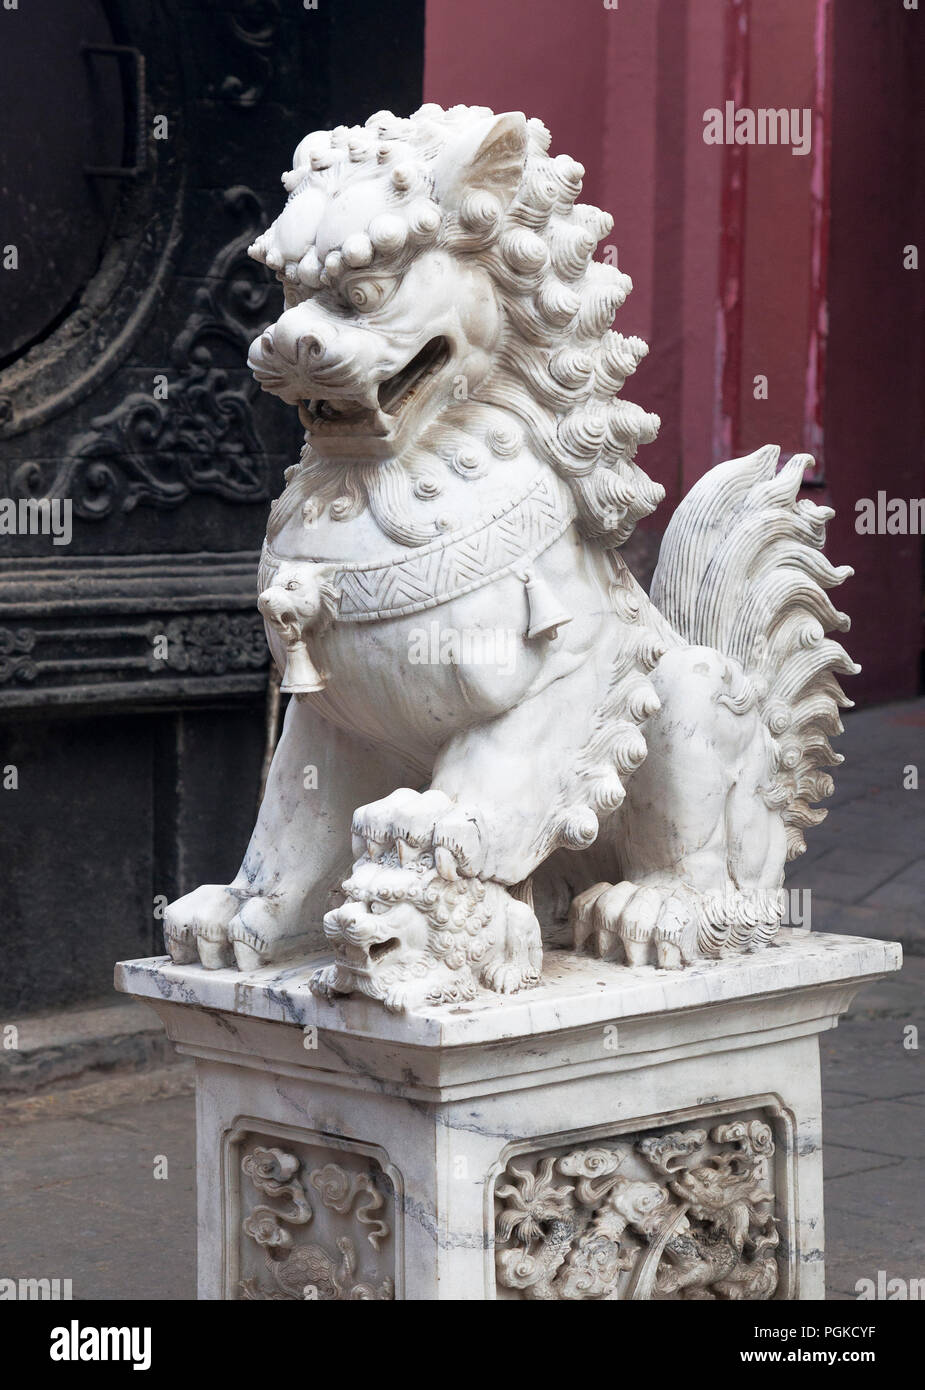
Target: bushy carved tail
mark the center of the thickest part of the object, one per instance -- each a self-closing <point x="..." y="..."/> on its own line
<point x="741" y="570"/>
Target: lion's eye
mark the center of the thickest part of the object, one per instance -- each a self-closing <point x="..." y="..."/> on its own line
<point x="378" y="907"/>
<point x="367" y="295"/>
<point x="293" y="294"/>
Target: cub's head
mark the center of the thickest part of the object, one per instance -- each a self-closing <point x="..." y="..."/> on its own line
<point x="404" y="925"/>
<point x="438" y="266"/>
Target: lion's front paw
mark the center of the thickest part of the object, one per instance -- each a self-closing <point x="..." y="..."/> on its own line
<point x="330" y="981"/>
<point x="645" y="923"/>
<point x="416" y="823"/>
<point x="196" y="926"/>
<point x="221" y="926"/>
<point x="407" y="995"/>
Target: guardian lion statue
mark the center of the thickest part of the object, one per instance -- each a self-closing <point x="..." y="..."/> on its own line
<point x="639" y="766"/>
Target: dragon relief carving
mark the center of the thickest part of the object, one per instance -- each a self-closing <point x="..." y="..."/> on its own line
<point x="310" y="1270"/>
<point x="446" y="341"/>
<point x="686" y="1214"/>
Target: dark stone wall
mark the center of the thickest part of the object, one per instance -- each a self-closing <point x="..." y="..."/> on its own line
<point x="111" y="813"/>
<point x="136" y="777"/>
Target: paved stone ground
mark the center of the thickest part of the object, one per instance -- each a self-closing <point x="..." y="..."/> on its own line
<point x="874" y="1136"/>
<point x="79" y="1199"/>
<point x="865" y="867"/>
<point x="865" y="864"/>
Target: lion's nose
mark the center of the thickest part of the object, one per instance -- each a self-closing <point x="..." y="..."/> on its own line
<point x="333" y="925"/>
<point x="367" y="933"/>
<point x="288" y="340"/>
<point x="312" y="345"/>
<point x="341" y="920"/>
<point x="354" y="925"/>
<point x="276" y="606"/>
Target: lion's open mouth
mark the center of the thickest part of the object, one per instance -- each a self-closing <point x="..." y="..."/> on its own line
<point x="346" y="415"/>
<point x="383" y="948"/>
<point x="363" y="962"/>
<point x="397" y="390"/>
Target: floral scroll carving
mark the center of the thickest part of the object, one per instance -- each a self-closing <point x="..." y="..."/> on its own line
<point x="332" y="1267"/>
<point x="16" y="660"/>
<point x="685" y="1214"/>
<point x="199" y="437"/>
<point x="210" y="643"/>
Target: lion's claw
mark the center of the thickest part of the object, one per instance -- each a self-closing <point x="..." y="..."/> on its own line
<point x="221" y="926"/>
<point x="415" y="823"/>
<point x="644" y="923"/>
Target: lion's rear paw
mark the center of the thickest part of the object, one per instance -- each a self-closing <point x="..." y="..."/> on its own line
<point x="667" y="922"/>
<point x="220" y="927"/>
<point x="644" y="924"/>
<point x="267" y="930"/>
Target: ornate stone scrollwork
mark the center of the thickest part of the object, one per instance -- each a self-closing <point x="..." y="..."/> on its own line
<point x="210" y="643"/>
<point x="249" y="60"/>
<point x="16" y="660"/>
<point x="199" y="437"/>
<point x="329" y="1268"/>
<point x="683" y="1214"/>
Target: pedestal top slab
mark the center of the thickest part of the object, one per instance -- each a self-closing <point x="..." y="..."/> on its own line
<point x="575" y="991"/>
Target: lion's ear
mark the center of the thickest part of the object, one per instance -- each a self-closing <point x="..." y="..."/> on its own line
<point x="489" y="157"/>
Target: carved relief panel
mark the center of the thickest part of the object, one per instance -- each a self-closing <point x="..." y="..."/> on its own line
<point x="687" y="1211"/>
<point x="309" y="1220"/>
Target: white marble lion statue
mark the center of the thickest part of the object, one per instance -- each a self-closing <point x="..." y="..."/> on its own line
<point x="477" y="679"/>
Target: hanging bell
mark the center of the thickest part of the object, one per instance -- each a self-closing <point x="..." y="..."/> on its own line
<point x="544" y="614"/>
<point x="301" y="676"/>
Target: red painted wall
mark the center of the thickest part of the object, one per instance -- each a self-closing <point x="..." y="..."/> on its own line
<point x="720" y="243"/>
<point x="875" y="396"/>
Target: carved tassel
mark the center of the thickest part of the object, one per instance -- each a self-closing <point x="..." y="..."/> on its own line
<point x="545" y="615"/>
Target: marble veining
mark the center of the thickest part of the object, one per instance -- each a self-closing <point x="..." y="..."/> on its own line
<point x="574" y="991"/>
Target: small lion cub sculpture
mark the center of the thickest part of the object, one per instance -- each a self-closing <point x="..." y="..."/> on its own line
<point x="502" y="722"/>
<point x="409" y="937"/>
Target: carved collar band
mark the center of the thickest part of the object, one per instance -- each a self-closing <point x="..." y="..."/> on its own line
<point x="503" y="542"/>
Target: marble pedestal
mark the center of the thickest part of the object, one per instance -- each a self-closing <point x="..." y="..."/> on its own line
<point x="614" y="1133"/>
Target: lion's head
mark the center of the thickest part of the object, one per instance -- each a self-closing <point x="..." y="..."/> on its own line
<point x="439" y="286"/>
